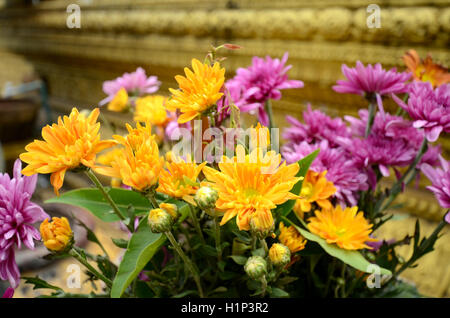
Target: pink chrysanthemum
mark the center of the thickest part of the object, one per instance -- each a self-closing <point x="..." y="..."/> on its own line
<point x="317" y="127"/>
<point x="260" y="82"/>
<point x="17" y="214"/>
<point x="136" y="83"/>
<point x="372" y="81"/>
<point x="430" y="109"/>
<point x="440" y="179"/>
<point x="346" y="177"/>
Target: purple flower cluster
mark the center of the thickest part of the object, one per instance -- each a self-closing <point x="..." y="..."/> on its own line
<point x="136" y="83"/>
<point x="17" y="214"/>
<point x="440" y="179"/>
<point x="260" y="82"/>
<point x="430" y="109"/>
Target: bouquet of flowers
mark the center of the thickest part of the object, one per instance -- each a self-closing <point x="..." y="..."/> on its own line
<point x="216" y="210"/>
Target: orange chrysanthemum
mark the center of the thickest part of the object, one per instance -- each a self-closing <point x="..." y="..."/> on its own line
<point x="247" y="183"/>
<point x="347" y="228"/>
<point x="73" y="142"/>
<point x="152" y="109"/>
<point x="199" y="90"/>
<point x="426" y="70"/>
<point x="315" y="188"/>
<point x="180" y="179"/>
<point x="139" y="164"/>
<point x="291" y="238"/>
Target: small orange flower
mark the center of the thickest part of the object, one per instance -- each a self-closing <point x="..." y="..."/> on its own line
<point x="291" y="238"/>
<point x="426" y="70"/>
<point x="248" y="183"/>
<point x="180" y="178"/>
<point x="347" y="228"/>
<point x="199" y="90"/>
<point x="73" y="142"/>
<point x="120" y="101"/>
<point x="57" y="235"/>
<point x="139" y="164"/>
<point x="315" y="188"/>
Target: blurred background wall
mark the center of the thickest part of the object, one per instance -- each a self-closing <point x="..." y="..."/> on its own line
<point x="116" y="36"/>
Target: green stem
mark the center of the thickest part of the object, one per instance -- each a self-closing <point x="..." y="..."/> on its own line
<point x="264" y="285"/>
<point x="196" y="224"/>
<point x="407" y="177"/>
<point x="330" y="275"/>
<point x="108" y="198"/>
<point x="268" y="107"/>
<point x="218" y="247"/>
<point x="97" y="274"/>
<point x="372" y="110"/>
<point x="186" y="260"/>
<point x="151" y="197"/>
<point x="264" y="245"/>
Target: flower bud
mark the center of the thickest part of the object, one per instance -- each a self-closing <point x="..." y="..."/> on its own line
<point x="162" y="218"/>
<point x="279" y="255"/>
<point x="261" y="223"/>
<point x="255" y="267"/>
<point x="206" y="198"/>
<point x="57" y="235"/>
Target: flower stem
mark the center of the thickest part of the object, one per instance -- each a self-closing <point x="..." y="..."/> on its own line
<point x="218" y="247"/>
<point x="151" y="197"/>
<point x="186" y="260"/>
<point x="196" y="224"/>
<point x="407" y="177"/>
<point x="108" y="198"/>
<point x="74" y="253"/>
<point x="268" y="107"/>
<point x="370" y="120"/>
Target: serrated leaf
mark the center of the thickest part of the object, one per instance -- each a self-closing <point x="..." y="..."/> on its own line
<point x="141" y="248"/>
<point x="92" y="200"/>
<point x="278" y="293"/>
<point x="352" y="258"/>
<point x="259" y="252"/>
<point x="39" y="283"/>
<point x="122" y="243"/>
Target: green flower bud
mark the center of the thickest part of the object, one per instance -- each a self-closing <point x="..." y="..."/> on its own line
<point x="279" y="255"/>
<point x="162" y="219"/>
<point x="256" y="267"/>
<point x="206" y="198"/>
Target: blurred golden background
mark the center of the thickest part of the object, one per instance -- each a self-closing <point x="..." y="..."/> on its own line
<point x="162" y="36"/>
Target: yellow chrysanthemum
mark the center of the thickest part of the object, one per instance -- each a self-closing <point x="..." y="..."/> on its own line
<point x="72" y="142"/>
<point x="347" y="228"/>
<point x="315" y="188"/>
<point x="139" y="164"/>
<point x="120" y="101"/>
<point x="247" y="183"/>
<point x="151" y="109"/>
<point x="199" y="90"/>
<point x="180" y="178"/>
<point x="109" y="156"/>
<point x="291" y="238"/>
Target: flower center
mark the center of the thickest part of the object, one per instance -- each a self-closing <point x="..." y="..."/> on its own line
<point x="307" y="190"/>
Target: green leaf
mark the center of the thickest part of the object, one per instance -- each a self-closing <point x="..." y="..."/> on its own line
<point x="304" y="164"/>
<point x="240" y="260"/>
<point x="122" y="243"/>
<point x="92" y="199"/>
<point x="39" y="283"/>
<point x="352" y="258"/>
<point x="141" y="248"/>
<point x="278" y="293"/>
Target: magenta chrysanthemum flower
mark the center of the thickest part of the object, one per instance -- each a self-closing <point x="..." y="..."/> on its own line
<point x="372" y="81"/>
<point x="136" y="83"/>
<point x="9" y="293"/>
<point x="440" y="179"/>
<point x="317" y="127"/>
<point x="17" y="214"/>
<point x="260" y="82"/>
<point x="430" y="109"/>
<point x="346" y="177"/>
